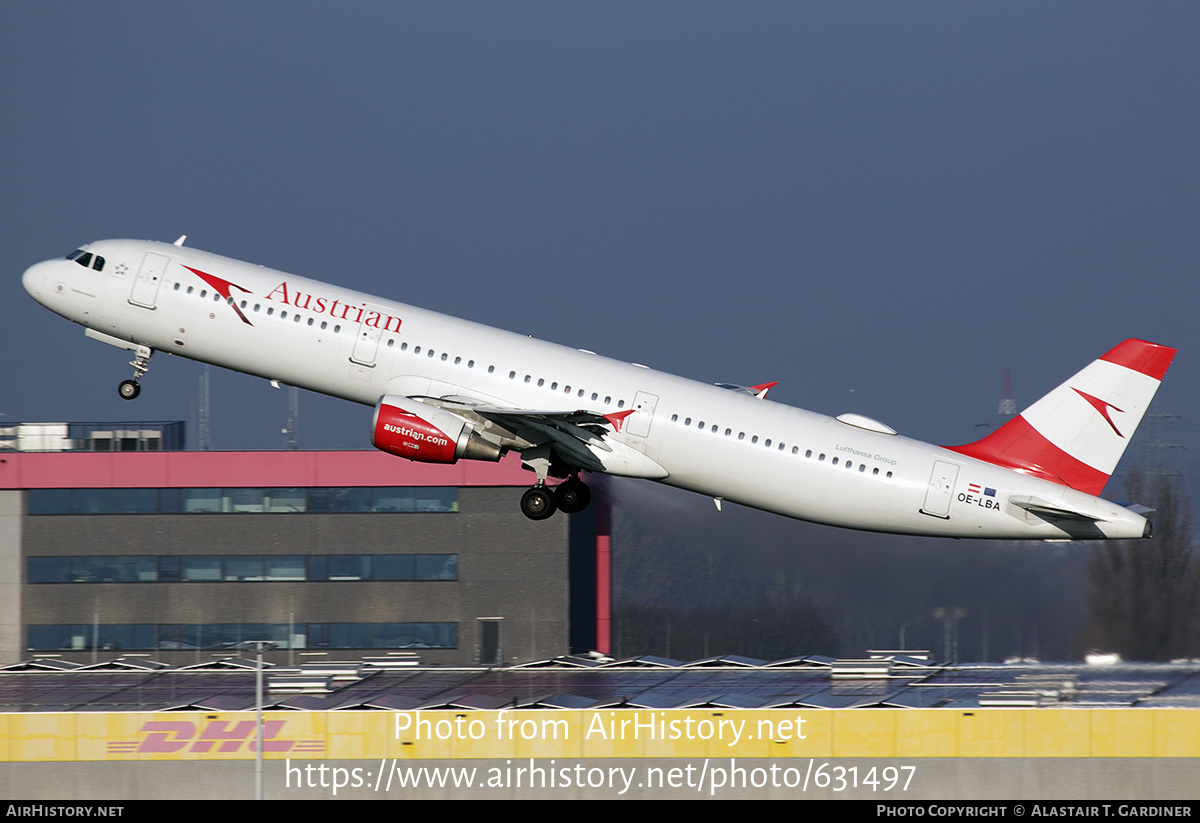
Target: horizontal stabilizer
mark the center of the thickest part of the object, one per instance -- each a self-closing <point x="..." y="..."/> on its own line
<point x="1034" y="505"/>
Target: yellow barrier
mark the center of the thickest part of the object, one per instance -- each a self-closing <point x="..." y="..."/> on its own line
<point x="693" y="733"/>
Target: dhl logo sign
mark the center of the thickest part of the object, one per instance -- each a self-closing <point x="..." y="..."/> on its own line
<point x="223" y="736"/>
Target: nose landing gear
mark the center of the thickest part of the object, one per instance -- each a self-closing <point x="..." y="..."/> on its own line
<point x="129" y="389"/>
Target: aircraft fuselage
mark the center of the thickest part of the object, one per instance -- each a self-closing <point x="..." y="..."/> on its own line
<point x="724" y="443"/>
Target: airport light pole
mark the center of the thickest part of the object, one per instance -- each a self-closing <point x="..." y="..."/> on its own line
<point x="259" y="646"/>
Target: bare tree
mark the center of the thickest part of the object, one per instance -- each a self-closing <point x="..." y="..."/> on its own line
<point x="1143" y="596"/>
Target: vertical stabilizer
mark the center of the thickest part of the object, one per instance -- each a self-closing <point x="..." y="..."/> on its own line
<point x="1076" y="434"/>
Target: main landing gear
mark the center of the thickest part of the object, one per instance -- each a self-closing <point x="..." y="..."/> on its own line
<point x="572" y="495"/>
<point x="129" y="389"/>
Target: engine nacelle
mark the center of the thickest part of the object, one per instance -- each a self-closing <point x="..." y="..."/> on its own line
<point x="407" y="428"/>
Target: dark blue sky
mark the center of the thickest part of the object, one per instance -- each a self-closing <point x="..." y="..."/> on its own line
<point x="880" y="205"/>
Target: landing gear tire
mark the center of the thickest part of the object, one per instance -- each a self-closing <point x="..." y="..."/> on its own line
<point x="573" y="495"/>
<point x="129" y="389"/>
<point x="538" y="503"/>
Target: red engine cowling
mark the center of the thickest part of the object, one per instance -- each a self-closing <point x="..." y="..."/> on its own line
<point x="419" y="432"/>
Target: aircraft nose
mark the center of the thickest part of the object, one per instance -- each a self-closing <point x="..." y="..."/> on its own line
<point x="34" y="279"/>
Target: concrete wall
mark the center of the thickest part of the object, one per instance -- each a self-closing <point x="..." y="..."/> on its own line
<point x="11" y="575"/>
<point x="509" y="567"/>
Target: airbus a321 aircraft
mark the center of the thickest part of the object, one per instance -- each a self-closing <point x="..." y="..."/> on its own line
<point x="446" y="389"/>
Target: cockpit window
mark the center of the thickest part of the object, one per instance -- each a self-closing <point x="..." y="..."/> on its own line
<point x="84" y="258"/>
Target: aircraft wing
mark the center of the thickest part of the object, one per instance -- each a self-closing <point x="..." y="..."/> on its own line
<point x="570" y="431"/>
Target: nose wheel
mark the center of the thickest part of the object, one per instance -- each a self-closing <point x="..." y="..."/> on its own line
<point x="129" y="389"/>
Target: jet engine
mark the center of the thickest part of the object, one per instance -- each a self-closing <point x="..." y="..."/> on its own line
<point x="408" y="428"/>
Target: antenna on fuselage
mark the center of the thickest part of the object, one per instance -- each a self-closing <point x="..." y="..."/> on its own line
<point x="179" y="242"/>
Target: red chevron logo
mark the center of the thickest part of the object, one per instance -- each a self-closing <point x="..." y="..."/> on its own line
<point x="1102" y="406"/>
<point x="222" y="288"/>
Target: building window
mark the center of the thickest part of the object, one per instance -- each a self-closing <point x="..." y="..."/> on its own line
<point x="219" y="636"/>
<point x="243" y="500"/>
<point x="240" y="568"/>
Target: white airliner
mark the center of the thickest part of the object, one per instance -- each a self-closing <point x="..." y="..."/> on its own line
<point x="445" y="389"/>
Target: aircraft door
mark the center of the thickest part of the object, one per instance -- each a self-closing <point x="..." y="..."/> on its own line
<point x="941" y="489"/>
<point x="639" y="422"/>
<point x="145" y="285"/>
<point x="489" y="649"/>
<point x="367" y="344"/>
